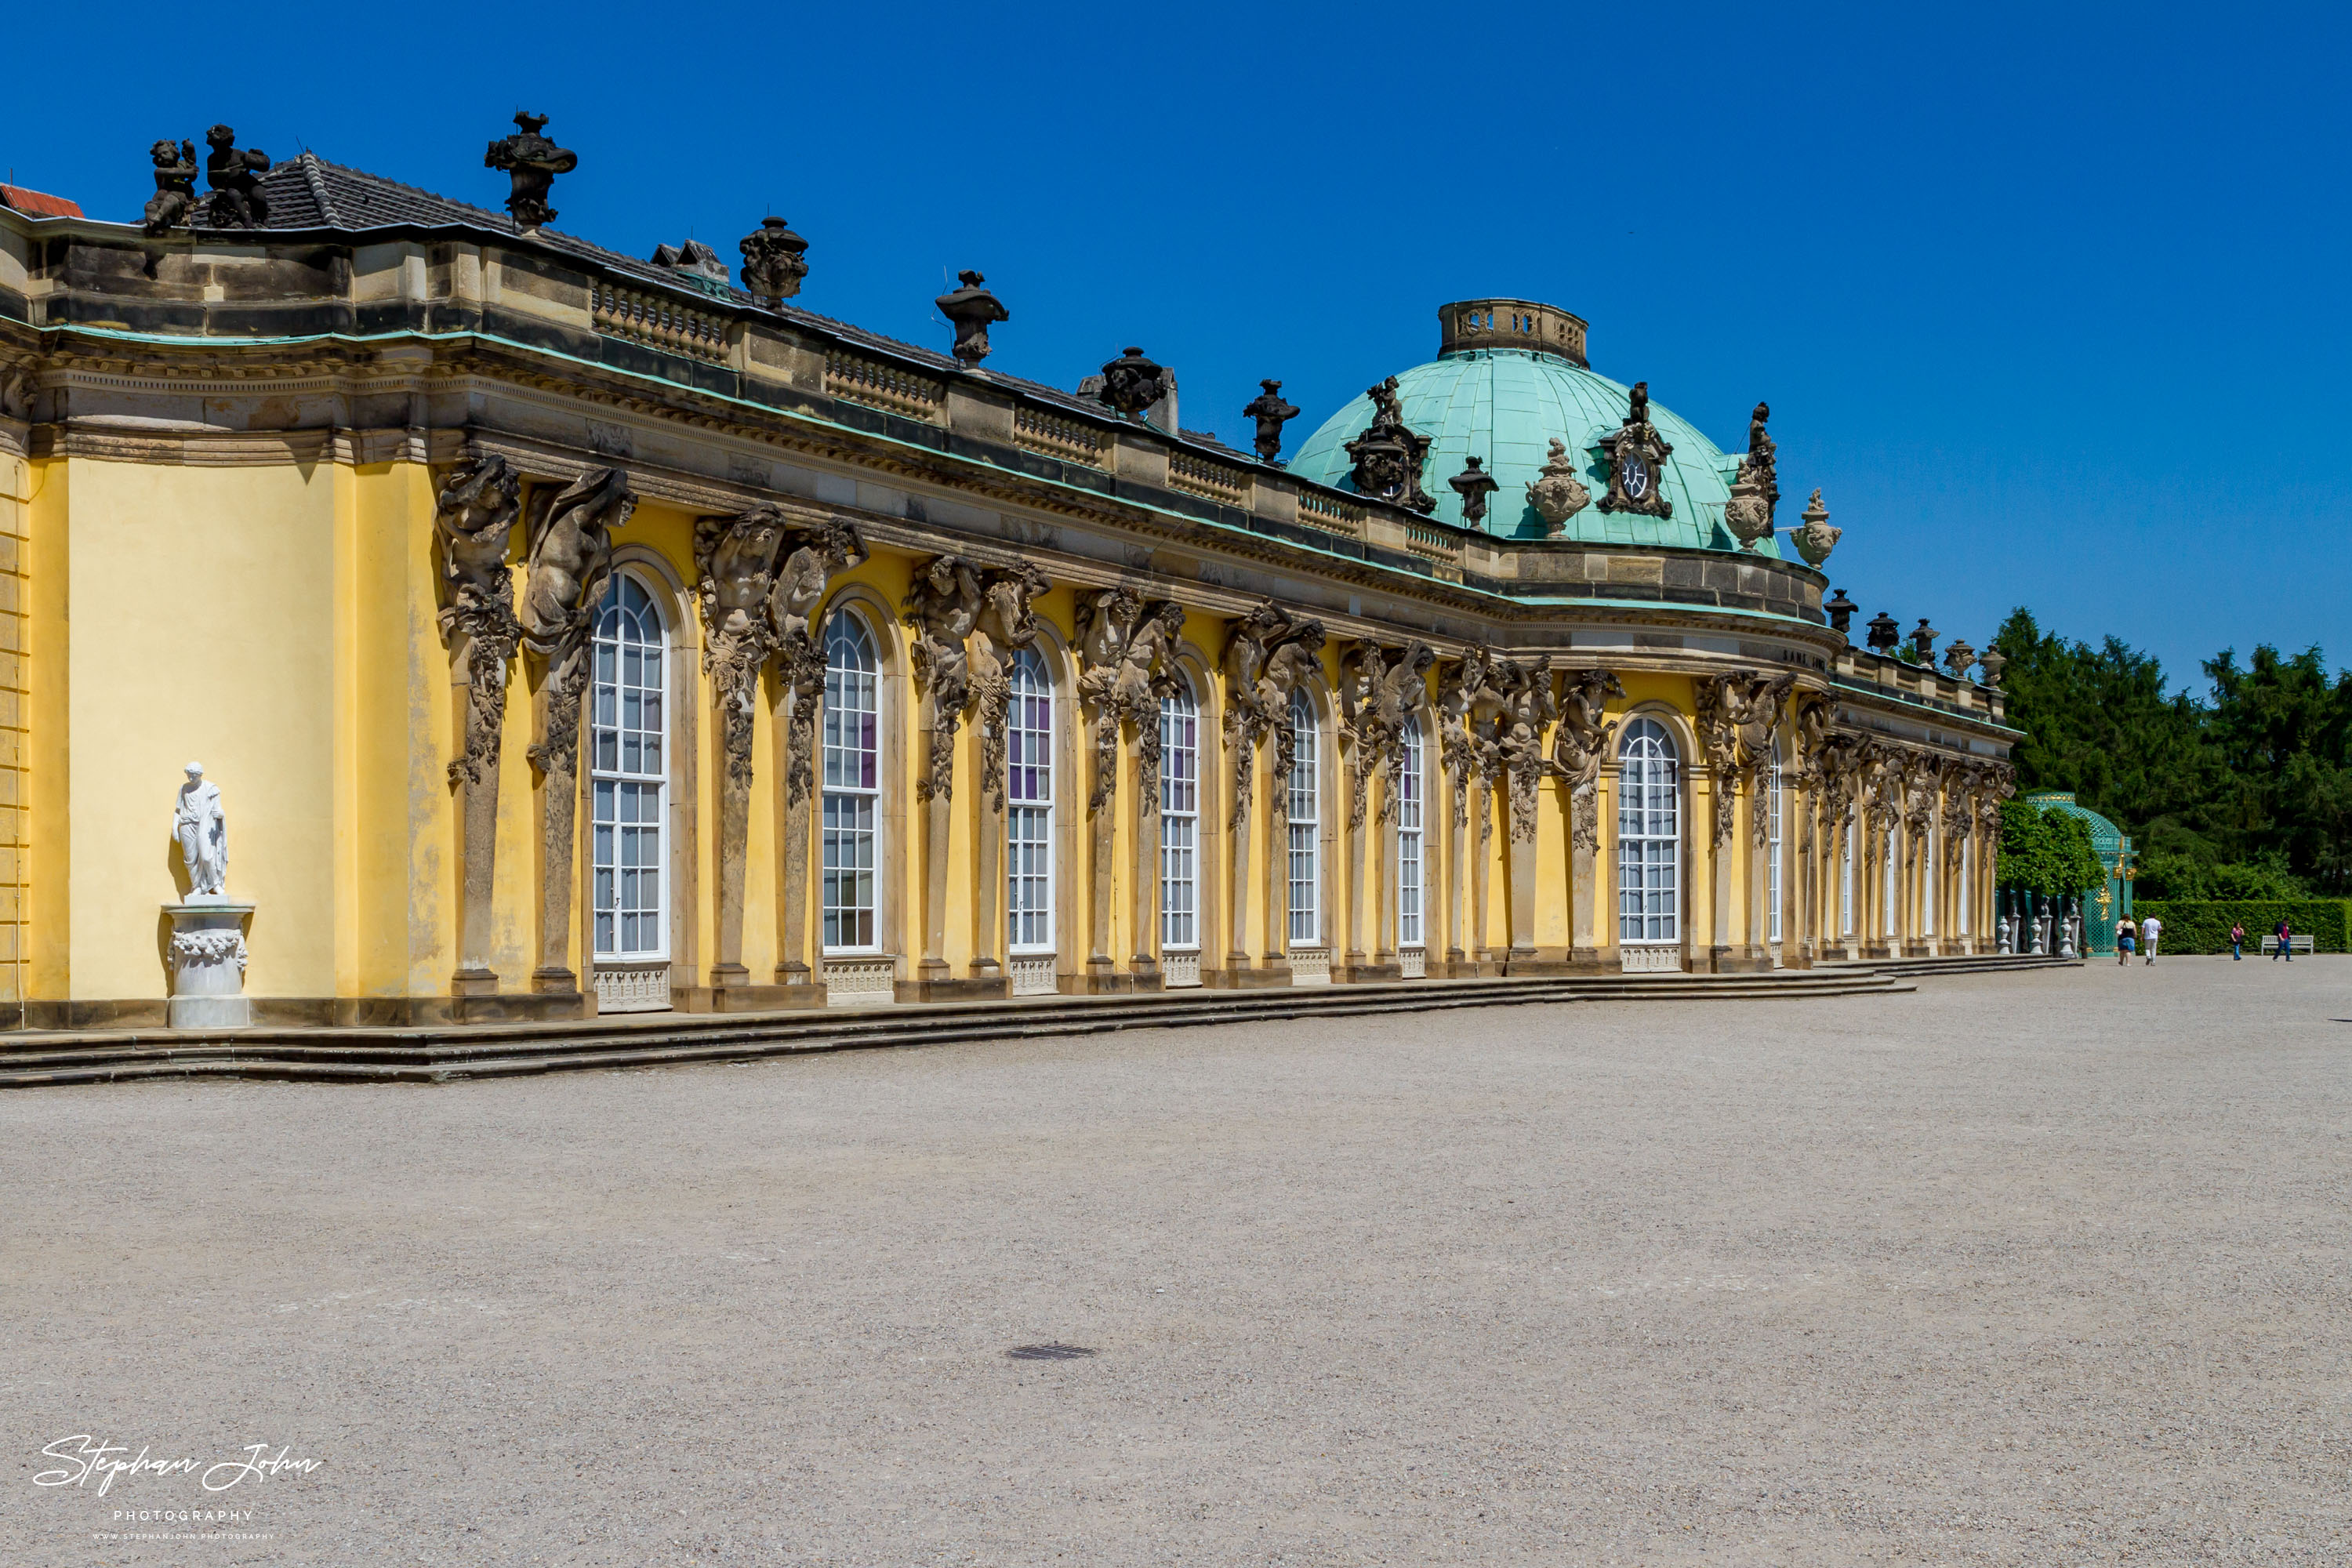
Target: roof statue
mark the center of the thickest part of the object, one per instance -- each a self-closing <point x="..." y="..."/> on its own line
<point x="532" y="163"/>
<point x="1816" y="538"/>
<point x="1272" y="413"/>
<point x="1133" y="383"/>
<point x="175" y="185"/>
<point x="234" y="176"/>
<point x="1473" y="484"/>
<point x="1840" y="609"/>
<point x="1558" y="495"/>
<point x="773" y="264"/>
<point x="973" y="309"/>
<point x="1637" y="457"/>
<point x="1388" y="456"/>
<point x="1757" y="491"/>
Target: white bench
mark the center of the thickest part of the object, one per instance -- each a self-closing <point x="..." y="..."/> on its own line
<point x="2302" y="941"/>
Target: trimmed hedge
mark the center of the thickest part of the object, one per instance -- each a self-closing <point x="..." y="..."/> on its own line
<point x="2201" y="926"/>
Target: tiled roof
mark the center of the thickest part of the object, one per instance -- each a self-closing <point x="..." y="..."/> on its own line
<point x="37" y="203"/>
<point x="309" y="192"/>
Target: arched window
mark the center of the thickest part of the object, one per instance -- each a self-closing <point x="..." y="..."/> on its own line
<point x="1772" y="848"/>
<point x="1179" y="819"/>
<point x="1305" y="807"/>
<point x="1029" y="808"/>
<point x="628" y="774"/>
<point x="1649" y="836"/>
<point x="853" y="781"/>
<point x="1408" y="807"/>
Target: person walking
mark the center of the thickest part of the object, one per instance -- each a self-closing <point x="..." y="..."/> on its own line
<point x="2286" y="934"/>
<point x="2126" y="933"/>
<point x="2149" y="930"/>
<point x="2238" y="943"/>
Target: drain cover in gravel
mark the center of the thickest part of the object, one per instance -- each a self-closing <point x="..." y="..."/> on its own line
<point x="1057" y="1350"/>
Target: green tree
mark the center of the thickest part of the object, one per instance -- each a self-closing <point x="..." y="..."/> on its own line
<point x="2249" y="788"/>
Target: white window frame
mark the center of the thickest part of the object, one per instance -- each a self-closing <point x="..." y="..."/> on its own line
<point x="610" y="783"/>
<point x="1179" y="820"/>
<point x="1772" y="849"/>
<point x="1411" y="802"/>
<point x="1029" y="807"/>
<point x="850" y="692"/>
<point x="1649" y="793"/>
<point x="1303" y="814"/>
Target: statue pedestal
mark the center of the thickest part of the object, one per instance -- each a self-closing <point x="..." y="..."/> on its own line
<point x="208" y="966"/>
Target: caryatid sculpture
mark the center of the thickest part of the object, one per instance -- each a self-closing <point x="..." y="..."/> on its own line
<point x="1294" y="654"/>
<point x="203" y="833"/>
<point x="532" y="163"/>
<point x="1404" y="691"/>
<point x="735" y="559"/>
<point x="811" y="557"/>
<point x="570" y="561"/>
<point x="1005" y="626"/>
<point x="474" y="519"/>
<point x="1248" y="718"/>
<point x="941" y="608"/>
<point x="1123" y="643"/>
<point x="1527" y="707"/>
<point x="1361" y="670"/>
<point x="1468" y="702"/>
<point x="1582" y="745"/>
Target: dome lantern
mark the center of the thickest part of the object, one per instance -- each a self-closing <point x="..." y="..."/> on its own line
<point x="1468" y="325"/>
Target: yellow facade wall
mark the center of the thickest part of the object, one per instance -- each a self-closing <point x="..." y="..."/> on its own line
<point x="15" y="714"/>
<point x="201" y="601"/>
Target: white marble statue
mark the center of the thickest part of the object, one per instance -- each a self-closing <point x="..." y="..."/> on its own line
<point x="197" y="824"/>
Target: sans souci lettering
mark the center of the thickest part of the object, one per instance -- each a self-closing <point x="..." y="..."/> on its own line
<point x="89" y="1458"/>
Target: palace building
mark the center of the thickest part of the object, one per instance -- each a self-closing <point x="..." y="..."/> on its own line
<point x="567" y="633"/>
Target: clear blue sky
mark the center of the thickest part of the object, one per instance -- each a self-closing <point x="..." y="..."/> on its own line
<point x="2050" y="301"/>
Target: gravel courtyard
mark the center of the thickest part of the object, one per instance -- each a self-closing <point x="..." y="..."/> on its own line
<point x="2042" y="1268"/>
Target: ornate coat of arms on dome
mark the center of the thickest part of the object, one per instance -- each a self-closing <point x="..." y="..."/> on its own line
<point x="1389" y="457"/>
<point x="1637" y="461"/>
<point x="1560" y="494"/>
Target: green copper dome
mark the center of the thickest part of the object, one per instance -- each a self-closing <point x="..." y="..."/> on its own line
<point x="1485" y="397"/>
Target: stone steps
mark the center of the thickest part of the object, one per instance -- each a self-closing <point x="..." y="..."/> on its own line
<point x="650" y="1040"/>
<point x="1980" y="964"/>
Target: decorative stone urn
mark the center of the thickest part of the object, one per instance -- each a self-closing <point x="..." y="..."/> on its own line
<point x="208" y="965"/>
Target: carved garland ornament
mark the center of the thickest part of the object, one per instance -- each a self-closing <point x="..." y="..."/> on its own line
<point x="191" y="948"/>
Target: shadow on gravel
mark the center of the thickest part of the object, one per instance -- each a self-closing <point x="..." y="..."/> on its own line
<point x="1053" y="1351"/>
